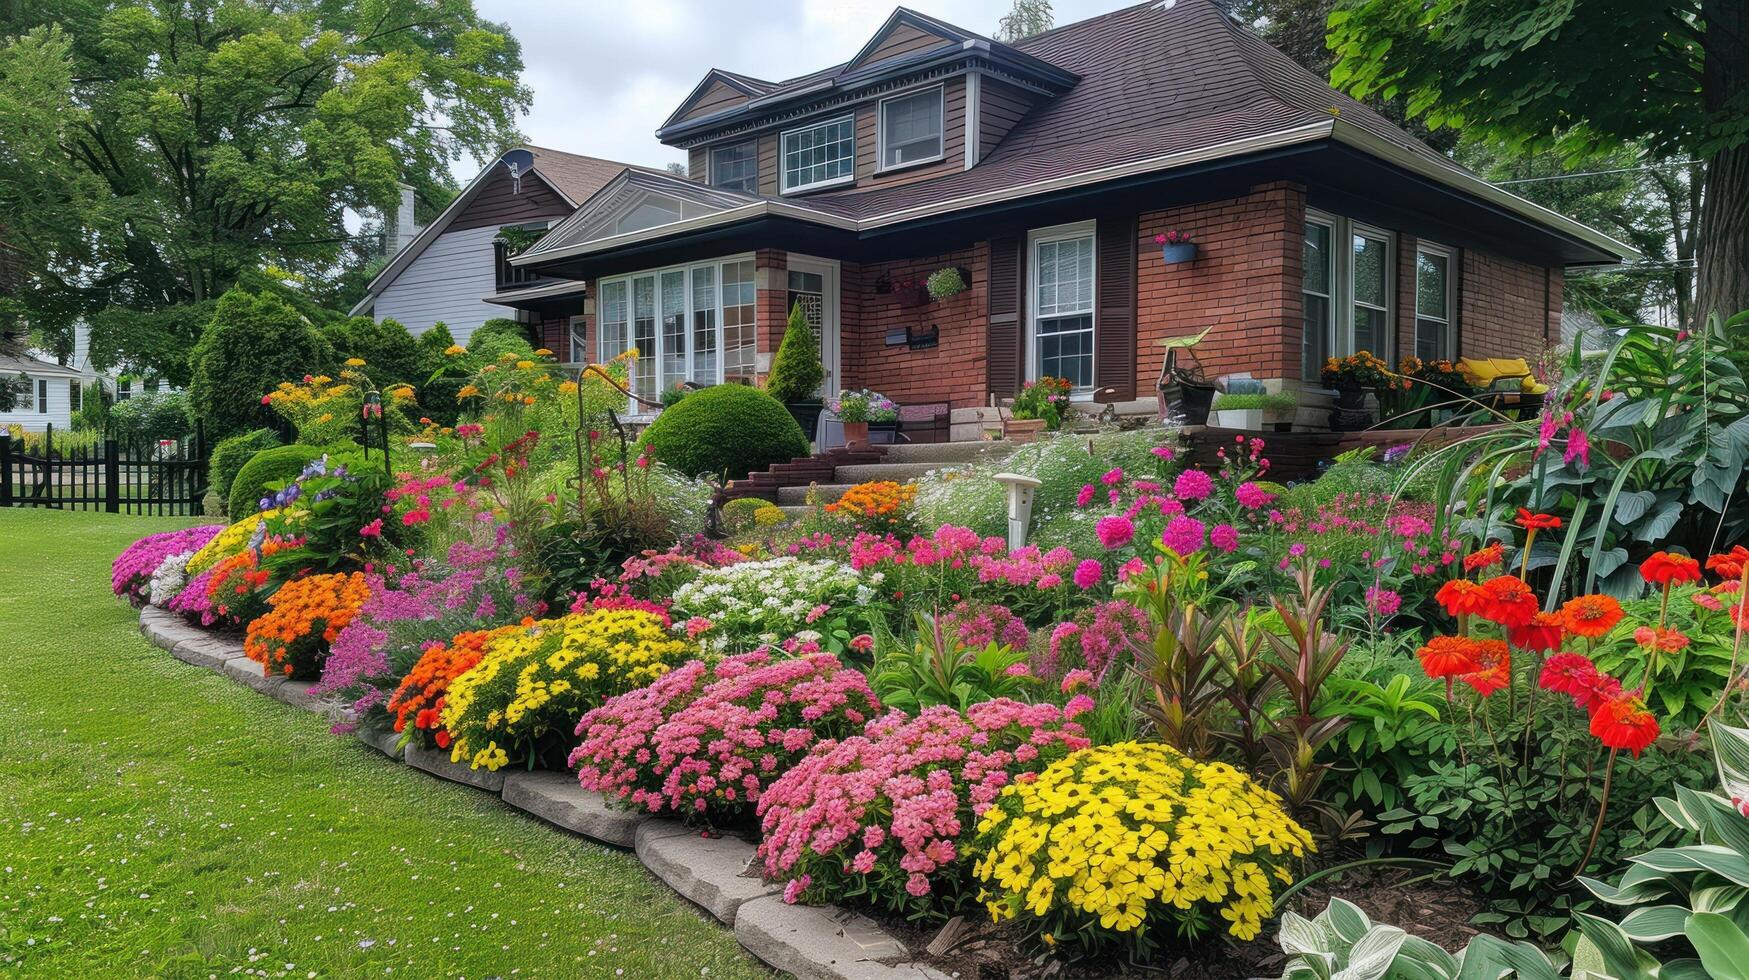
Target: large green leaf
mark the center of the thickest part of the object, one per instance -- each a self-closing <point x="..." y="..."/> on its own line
<point x="1371" y="958"/>
<point x="1723" y="948"/>
<point x="1731" y="753"/>
<point x="1722" y="861"/>
<point x="1655" y="923"/>
<point x="1657" y="525"/>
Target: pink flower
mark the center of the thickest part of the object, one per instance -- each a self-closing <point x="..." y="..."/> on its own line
<point x="1018" y="670"/>
<point x="372" y="530"/>
<point x="1383" y="602"/>
<point x="1130" y="569"/>
<point x="1085" y="497"/>
<point x="1163" y="452"/>
<point x="1088" y="573"/>
<point x="1112" y="477"/>
<point x="862" y="643"/>
<point x="792" y="892"/>
<point x="1114" y="531"/>
<point x="1224" y="537"/>
<point x="1076" y="679"/>
<point x="1078" y="705"/>
<point x="1578" y="448"/>
<point x="1252" y="497"/>
<point x="1183" y="535"/>
<point x="1192" y="485"/>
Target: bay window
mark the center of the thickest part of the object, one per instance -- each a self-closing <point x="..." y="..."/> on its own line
<point x="820" y="155"/>
<point x="1347" y="290"/>
<point x="1061" y="311"/>
<point x="689" y="323"/>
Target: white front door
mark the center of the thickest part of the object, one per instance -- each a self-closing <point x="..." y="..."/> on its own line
<point x="814" y="284"/>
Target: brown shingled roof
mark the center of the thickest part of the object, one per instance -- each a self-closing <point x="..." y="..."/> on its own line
<point x="576" y="176"/>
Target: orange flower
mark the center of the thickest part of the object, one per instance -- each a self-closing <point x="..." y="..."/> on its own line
<point x="1624" y="723"/>
<point x="1449" y="656"/>
<point x="1666" y="569"/>
<point x="1730" y="564"/>
<point x="1495" y="671"/>
<point x="419" y="698"/>
<point x="1537" y="522"/>
<point x="1661" y="638"/>
<point x="1488" y="557"/>
<point x="1590" y="616"/>
<point x="1542" y="633"/>
<point x="1509" y="601"/>
<point x="1462" y="597"/>
<point x="305" y="616"/>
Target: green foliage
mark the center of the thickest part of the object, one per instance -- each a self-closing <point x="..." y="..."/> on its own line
<point x="496" y="338"/>
<point x="436" y="339"/>
<point x="252" y="343"/>
<point x="95" y="401"/>
<point x="229" y="456"/>
<point x="1343" y="942"/>
<point x="730" y="429"/>
<point x="165" y="151"/>
<point x="796" y="371"/>
<point x="940" y="669"/>
<point x="1688" y="681"/>
<point x="738" y="513"/>
<point x="264" y="471"/>
<point x="151" y="416"/>
<point x="391" y="355"/>
<point x="498" y="328"/>
<point x="153" y="341"/>
<point x="943" y="283"/>
<point x="1279" y="401"/>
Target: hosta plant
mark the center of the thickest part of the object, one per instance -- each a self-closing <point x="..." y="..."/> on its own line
<point x="1342" y="942"/>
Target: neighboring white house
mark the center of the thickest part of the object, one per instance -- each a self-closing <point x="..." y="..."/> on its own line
<point x="54" y="390"/>
<point x="452" y="271"/>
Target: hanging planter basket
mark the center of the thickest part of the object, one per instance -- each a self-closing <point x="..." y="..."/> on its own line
<point x="1178" y="253"/>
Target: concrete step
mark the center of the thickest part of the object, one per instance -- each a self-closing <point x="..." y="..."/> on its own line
<point x="795" y="512"/>
<point x="897" y="472"/>
<point x="948" y="452"/>
<point x="825" y="493"/>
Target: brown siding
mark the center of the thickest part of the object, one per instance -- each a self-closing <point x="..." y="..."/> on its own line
<point x="768" y="164"/>
<point x="953" y="128"/>
<point x="1404" y="341"/>
<point x="698" y="163"/>
<point x="903" y="40"/>
<point x="719" y="96"/>
<point x="495" y="205"/>
<point x="951" y="371"/>
<point x="1000" y="107"/>
<point x="1003" y="369"/>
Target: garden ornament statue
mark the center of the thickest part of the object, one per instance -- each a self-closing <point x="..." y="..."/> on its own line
<point x="1019" y="490"/>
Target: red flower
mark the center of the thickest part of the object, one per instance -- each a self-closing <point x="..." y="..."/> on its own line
<point x="1574" y="675"/>
<point x="1590" y="616"/>
<point x="1488" y="557"/>
<point x="1496" y="667"/>
<point x="1543" y="632"/>
<point x="441" y="738"/>
<point x="1449" y="656"/>
<point x="1662" y="638"/>
<point x="1537" y="522"/>
<point x="1508" y="601"/>
<point x="1624" y="723"/>
<point x="1666" y="569"/>
<point x="1462" y="597"/>
<point x="1730" y="564"/>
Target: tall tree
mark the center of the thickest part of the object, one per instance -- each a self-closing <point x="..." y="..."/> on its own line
<point x="1028" y="17"/>
<point x="1582" y="79"/>
<point x="211" y="138"/>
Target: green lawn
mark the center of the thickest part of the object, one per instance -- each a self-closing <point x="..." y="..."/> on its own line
<point x="157" y="820"/>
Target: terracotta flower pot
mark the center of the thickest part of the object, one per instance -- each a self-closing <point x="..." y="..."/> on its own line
<point x="856" y="433"/>
<point x="1022" y="430"/>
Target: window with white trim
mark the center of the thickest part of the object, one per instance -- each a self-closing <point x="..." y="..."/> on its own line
<point x="736" y="168"/>
<point x="42" y="396"/>
<point x="911" y="128"/>
<point x="689" y="323"/>
<point x="1348" y="290"/>
<point x="820" y="155"/>
<point x="24" y="396"/>
<point x="75" y="396"/>
<point x="1435" y="338"/>
<point x="1061" y="312"/>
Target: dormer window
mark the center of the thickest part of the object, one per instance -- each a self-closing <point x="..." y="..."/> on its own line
<point x="736" y="168"/>
<point x="820" y="155"/>
<point x="911" y="129"/>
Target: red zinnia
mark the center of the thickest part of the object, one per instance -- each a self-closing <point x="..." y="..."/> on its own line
<point x="1666" y="569"/>
<point x="1590" y="616"/>
<point x="1730" y="564"/>
<point x="1449" y="656"/>
<point x="1624" y="723"/>
<point x="1462" y="597"/>
<point x="1496" y="667"/>
<point x="1572" y="674"/>
<point x="1488" y="557"/>
<point x="1543" y="632"/>
<point x="1508" y="601"/>
<point x="1537" y="522"/>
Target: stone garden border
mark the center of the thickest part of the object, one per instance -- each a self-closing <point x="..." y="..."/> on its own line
<point x="717" y="874"/>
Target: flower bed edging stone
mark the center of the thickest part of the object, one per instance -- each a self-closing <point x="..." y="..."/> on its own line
<point x="436" y="762"/>
<point x="557" y="798"/>
<point x="711" y="872"/>
<point x="824" y="943"/>
<point x="812" y="942"/>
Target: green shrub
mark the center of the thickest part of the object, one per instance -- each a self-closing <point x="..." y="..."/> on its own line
<point x="796" y="371"/>
<point x="265" y="467"/>
<point x="436" y="339"/>
<point x="499" y="328"/>
<point x="391" y="355"/>
<point x="738" y="513"/>
<point x="231" y="454"/>
<point x="1279" y="402"/>
<point x="95" y="402"/>
<point x="727" y="428"/>
<point x="152" y="416"/>
<point x="252" y="343"/>
<point x="485" y="348"/>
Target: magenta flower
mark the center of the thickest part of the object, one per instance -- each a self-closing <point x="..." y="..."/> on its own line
<point x="1088" y="573"/>
<point x="1578" y="448"/>
<point x="1383" y="602"/>
<point x="1183" y="535"/>
<point x="1224" y="537"/>
<point x="1193" y="485"/>
<point x="1112" y="477"/>
<point x="1085" y="497"/>
<point x="1252" y="497"/>
<point x="1114" y="531"/>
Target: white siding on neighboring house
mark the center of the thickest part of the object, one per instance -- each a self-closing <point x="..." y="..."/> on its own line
<point x="33" y="418"/>
<point x="448" y="281"/>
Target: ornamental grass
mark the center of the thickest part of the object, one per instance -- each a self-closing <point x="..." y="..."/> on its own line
<point x="306" y="614"/>
<point x="521" y="701"/>
<point x="1136" y="843"/>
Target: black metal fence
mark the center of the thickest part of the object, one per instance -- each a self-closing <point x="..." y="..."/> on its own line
<point x="118" y="474"/>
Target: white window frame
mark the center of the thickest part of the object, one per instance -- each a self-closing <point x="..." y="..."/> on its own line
<point x="1342" y="232"/>
<point x="629" y="280"/>
<point x="577" y="340"/>
<point x="881" y="165"/>
<point x="1330" y="294"/>
<point x="1059" y="233"/>
<point x="1449" y="342"/>
<point x="783" y="156"/>
<point x="710" y="163"/>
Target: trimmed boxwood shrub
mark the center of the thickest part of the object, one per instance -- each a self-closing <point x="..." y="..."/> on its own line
<point x="265" y="467"/>
<point x="727" y="428"/>
<point x="252" y="343"/>
<point x="229" y="456"/>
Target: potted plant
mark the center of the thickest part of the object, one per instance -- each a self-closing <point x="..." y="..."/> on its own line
<point x="860" y="409"/>
<point x="1176" y="247"/>
<point x="796" y="372"/>
<point x="1184" y="388"/>
<point x="910" y="290"/>
<point x="950" y="281"/>
<point x="1353" y="376"/>
<point x="1040" y="406"/>
<point x="1249" y="410"/>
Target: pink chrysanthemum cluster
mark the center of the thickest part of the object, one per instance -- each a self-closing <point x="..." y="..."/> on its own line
<point x="1095" y="640"/>
<point x="709" y="740"/>
<point x="130" y="575"/>
<point x="878" y="815"/>
<point x="977" y="625"/>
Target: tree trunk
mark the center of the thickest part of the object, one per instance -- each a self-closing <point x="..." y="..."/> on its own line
<point x="1723" y="251"/>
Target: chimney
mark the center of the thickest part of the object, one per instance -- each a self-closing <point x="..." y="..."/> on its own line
<point x="402" y="229"/>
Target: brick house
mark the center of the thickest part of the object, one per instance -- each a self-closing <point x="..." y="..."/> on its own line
<point x="1044" y="169"/>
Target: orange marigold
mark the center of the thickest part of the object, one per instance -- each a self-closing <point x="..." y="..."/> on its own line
<point x="1495" y="667"/>
<point x="1488" y="557"/>
<point x="1449" y="656"/>
<point x="876" y="506"/>
<point x="419" y="699"/>
<point x="1509" y="601"/>
<point x="305" y="615"/>
<point x="1590" y="616"/>
<point x="1462" y="597"/>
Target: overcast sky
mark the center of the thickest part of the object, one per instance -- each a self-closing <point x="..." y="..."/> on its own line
<point x="605" y="73"/>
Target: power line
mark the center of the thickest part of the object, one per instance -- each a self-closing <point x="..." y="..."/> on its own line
<point x="1598" y="173"/>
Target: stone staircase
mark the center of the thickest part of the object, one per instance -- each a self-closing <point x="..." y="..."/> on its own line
<point x="901" y="463"/>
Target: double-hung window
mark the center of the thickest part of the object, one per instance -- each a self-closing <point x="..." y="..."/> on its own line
<point x="688" y="323"/>
<point x="1061" y="311"/>
<point x="819" y="155"/>
<point x="1347" y="291"/>
<point x="736" y="168"/>
<point x="911" y="128"/>
<point x="1435" y="340"/>
<point x="42" y="396"/>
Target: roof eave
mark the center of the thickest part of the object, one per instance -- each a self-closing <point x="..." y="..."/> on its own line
<point x="746" y="212"/>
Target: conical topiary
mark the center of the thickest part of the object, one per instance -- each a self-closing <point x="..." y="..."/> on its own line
<point x="796" y="371"/>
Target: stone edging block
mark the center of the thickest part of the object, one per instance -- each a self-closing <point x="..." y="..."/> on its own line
<point x="249" y="673"/>
<point x="436" y="762"/>
<point x="556" y="798"/>
<point x="712" y="872"/>
<point x="824" y="943"/>
<point x="210" y="652"/>
<point x="383" y="741"/>
<point x="297" y="694"/>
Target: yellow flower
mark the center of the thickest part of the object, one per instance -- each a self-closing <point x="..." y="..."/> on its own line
<point x="543" y="352"/>
<point x="524" y="365"/>
<point x="355" y="362"/>
<point x="454" y="350"/>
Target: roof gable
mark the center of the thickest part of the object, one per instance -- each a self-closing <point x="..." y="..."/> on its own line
<point x="906" y="32"/>
<point x="718" y="91"/>
<point x="637" y="201"/>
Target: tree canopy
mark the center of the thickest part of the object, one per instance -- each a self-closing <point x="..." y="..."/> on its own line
<point x="152" y="155"/>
